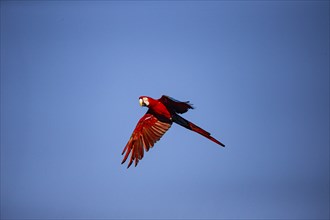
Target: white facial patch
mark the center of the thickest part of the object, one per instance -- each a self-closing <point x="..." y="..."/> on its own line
<point x="146" y="101"/>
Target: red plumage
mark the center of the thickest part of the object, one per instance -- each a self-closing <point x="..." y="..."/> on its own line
<point x="153" y="125"/>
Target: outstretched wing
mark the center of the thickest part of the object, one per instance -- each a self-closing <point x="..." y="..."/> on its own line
<point x="147" y="132"/>
<point x="175" y="105"/>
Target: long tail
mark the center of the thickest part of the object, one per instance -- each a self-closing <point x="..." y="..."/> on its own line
<point x="191" y="126"/>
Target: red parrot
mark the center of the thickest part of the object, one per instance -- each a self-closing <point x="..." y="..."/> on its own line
<point x="153" y="125"/>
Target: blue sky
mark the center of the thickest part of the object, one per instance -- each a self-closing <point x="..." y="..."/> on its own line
<point x="256" y="71"/>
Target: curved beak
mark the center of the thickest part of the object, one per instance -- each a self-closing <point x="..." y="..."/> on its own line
<point x="141" y="102"/>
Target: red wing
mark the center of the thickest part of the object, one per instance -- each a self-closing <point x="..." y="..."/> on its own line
<point x="146" y="133"/>
<point x="177" y="106"/>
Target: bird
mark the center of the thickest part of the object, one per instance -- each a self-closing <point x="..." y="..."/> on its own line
<point x="153" y="125"/>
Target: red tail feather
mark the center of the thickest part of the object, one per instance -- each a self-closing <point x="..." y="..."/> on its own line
<point x="191" y="126"/>
<point x="204" y="133"/>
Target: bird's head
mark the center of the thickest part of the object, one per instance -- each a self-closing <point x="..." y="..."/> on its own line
<point x="144" y="101"/>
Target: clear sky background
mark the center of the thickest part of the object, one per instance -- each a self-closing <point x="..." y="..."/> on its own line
<point x="256" y="71"/>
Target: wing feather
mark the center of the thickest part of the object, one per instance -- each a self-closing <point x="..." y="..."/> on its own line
<point x="157" y="132"/>
<point x="147" y="132"/>
<point x="147" y="140"/>
<point x="151" y="137"/>
<point x="143" y="142"/>
<point x="175" y="105"/>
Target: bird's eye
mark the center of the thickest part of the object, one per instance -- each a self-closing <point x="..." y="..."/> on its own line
<point x="146" y="101"/>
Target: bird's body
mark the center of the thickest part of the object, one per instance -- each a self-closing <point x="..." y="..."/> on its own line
<point x="159" y="109"/>
<point x="152" y="126"/>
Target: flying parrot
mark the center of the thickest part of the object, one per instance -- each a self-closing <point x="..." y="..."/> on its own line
<point x="153" y="125"/>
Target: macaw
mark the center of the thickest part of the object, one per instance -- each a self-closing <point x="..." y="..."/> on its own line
<point x="153" y="125"/>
